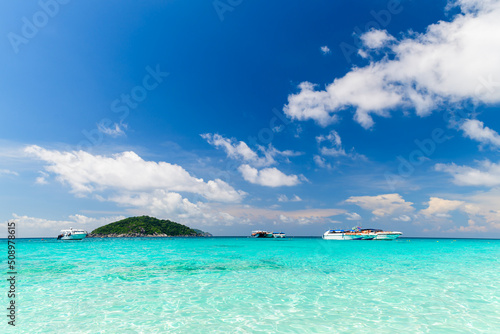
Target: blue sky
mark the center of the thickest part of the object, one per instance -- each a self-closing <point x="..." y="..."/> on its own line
<point x="231" y="116"/>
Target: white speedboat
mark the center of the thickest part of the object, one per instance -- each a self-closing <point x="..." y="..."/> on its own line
<point x="381" y="234"/>
<point x="342" y="235"/>
<point x="357" y="233"/>
<point x="279" y="234"/>
<point x="387" y="235"/>
<point x="72" y="234"/>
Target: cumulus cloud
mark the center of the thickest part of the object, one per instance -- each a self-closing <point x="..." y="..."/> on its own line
<point x="472" y="227"/>
<point x="480" y="208"/>
<point x="321" y="162"/>
<point x="269" y="177"/>
<point x="141" y="187"/>
<point x="161" y="203"/>
<point x="86" y="173"/>
<point x="241" y="151"/>
<point x="334" y="139"/>
<point x="382" y="205"/>
<point x="486" y="174"/>
<point x="325" y="50"/>
<point x="446" y="64"/>
<point x="440" y="206"/>
<point x="375" y="39"/>
<point x="333" y="148"/>
<point x="476" y="130"/>
<point x="298" y="217"/>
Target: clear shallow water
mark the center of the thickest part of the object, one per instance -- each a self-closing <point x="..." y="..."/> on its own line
<point x="243" y="285"/>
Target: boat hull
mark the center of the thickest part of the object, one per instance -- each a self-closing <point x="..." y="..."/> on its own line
<point x="341" y="236"/>
<point x="368" y="234"/>
<point x="387" y="235"/>
<point x="74" y="237"/>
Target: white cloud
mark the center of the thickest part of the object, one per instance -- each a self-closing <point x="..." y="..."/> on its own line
<point x="321" y="162"/>
<point x="325" y="50"/>
<point x="334" y="139"/>
<point x="86" y="173"/>
<point x="440" y="206"/>
<point x="487" y="174"/>
<point x="352" y="216"/>
<point x="480" y="208"/>
<point x="8" y="172"/>
<point x="284" y="198"/>
<point x="446" y="64"/>
<point x="269" y="177"/>
<point x="472" y="227"/>
<point x="234" y="150"/>
<point x="161" y="203"/>
<point x="297" y="217"/>
<point x="403" y="218"/>
<point x="115" y="131"/>
<point x="335" y="149"/>
<point x="375" y="39"/>
<point x="43" y="178"/>
<point x="241" y="151"/>
<point x="382" y="205"/>
<point x="476" y="130"/>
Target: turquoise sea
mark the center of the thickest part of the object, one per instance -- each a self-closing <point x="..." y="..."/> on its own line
<point x="244" y="285"/>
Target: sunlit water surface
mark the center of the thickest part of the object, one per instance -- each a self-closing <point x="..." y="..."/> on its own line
<point x="243" y="285"/>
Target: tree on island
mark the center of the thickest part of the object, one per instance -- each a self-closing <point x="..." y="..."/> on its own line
<point x="145" y="226"/>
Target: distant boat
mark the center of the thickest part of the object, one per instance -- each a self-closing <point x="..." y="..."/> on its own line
<point x="357" y="233"/>
<point x="266" y="234"/>
<point x="72" y="234"/>
<point x="262" y="234"/>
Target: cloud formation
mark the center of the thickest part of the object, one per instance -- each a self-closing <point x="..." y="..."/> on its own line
<point x="141" y="187"/>
<point x="486" y="174"/>
<point x="481" y="209"/>
<point x="239" y="150"/>
<point x="86" y="173"/>
<point x="446" y="64"/>
<point x="440" y="206"/>
<point x="476" y="130"/>
<point x="269" y="177"/>
<point x="382" y="205"/>
<point x="376" y="39"/>
<point x="325" y="50"/>
<point x="284" y="198"/>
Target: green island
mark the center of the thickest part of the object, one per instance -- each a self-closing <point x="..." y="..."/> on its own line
<point x="145" y="226"/>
